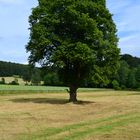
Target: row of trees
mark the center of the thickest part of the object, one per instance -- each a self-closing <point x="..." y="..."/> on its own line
<point x="10" y="69"/>
<point x="127" y="76"/>
<point x="28" y="74"/>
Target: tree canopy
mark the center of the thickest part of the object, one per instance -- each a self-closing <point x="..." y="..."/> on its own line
<point x="77" y="36"/>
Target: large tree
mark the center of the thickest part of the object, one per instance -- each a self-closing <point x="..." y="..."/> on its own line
<point x="77" y="36"/>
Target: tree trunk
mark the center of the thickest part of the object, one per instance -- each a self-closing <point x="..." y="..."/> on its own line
<point x="73" y="94"/>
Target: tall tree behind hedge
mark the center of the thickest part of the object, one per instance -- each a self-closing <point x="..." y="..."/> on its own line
<point x="77" y="36"/>
<point x="123" y="73"/>
<point x="131" y="82"/>
<point x="138" y="76"/>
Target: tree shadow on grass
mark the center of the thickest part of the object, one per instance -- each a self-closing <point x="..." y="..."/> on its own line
<point x="48" y="101"/>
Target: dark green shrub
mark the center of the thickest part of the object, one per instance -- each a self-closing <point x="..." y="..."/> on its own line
<point x="115" y="85"/>
<point x="2" y="81"/>
<point x="123" y="87"/>
<point x="13" y="83"/>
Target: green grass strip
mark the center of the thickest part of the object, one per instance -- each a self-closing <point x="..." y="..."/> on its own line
<point x="49" y="132"/>
<point x="101" y="129"/>
<point x="18" y="89"/>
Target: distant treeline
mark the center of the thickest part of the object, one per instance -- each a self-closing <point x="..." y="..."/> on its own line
<point x="128" y="75"/>
<point x="28" y="74"/>
<point x="133" y="62"/>
<point x="9" y="69"/>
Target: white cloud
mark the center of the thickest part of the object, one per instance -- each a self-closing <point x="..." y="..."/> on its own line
<point x="126" y="14"/>
<point x="14" y="27"/>
<point x="127" y="18"/>
<point x="14" y="31"/>
<point x="124" y="11"/>
<point x="14" y="18"/>
<point x="130" y="44"/>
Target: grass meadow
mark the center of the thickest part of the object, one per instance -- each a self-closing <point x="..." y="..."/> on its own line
<point x="98" y="115"/>
<point x="8" y="89"/>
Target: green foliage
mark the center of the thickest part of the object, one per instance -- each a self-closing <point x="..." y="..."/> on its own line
<point x="133" y="62"/>
<point x="137" y="76"/>
<point x="2" y="81"/>
<point x="36" y="78"/>
<point x="97" y="78"/>
<point x="52" y="79"/>
<point x="8" y="69"/>
<point x="123" y="73"/>
<point x="27" y="77"/>
<point x="131" y="75"/>
<point x="76" y="36"/>
<point x="115" y="85"/>
<point x="127" y="76"/>
<point x="123" y="87"/>
<point x="131" y="82"/>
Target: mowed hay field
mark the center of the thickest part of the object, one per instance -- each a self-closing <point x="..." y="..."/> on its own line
<point x="99" y="115"/>
<point x="10" y="79"/>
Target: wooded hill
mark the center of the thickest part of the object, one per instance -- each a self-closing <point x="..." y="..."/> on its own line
<point x="131" y="61"/>
<point x="10" y="69"/>
<point x="128" y="75"/>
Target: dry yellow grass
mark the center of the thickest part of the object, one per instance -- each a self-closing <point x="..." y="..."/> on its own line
<point x="104" y="115"/>
<point x="10" y="79"/>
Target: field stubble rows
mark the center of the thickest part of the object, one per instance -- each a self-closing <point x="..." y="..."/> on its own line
<point x="104" y="115"/>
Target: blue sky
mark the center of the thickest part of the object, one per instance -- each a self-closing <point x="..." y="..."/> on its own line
<point x="14" y="26"/>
